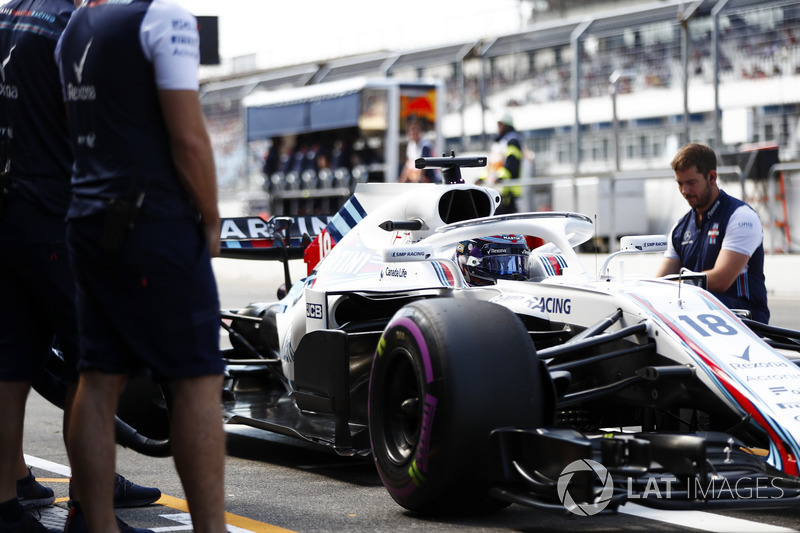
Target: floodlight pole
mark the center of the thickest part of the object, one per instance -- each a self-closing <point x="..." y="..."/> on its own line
<point x="575" y="44"/>
<point x="684" y="17"/>
<point x="715" y="13"/>
<point x="614" y="89"/>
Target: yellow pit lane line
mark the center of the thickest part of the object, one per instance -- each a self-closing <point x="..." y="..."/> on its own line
<point x="233" y="520"/>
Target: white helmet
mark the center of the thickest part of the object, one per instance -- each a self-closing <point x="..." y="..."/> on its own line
<point x="506" y="119"/>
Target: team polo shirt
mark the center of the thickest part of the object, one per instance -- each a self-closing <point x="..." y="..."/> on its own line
<point x="730" y="224"/>
<point x="31" y="113"/>
<point x="114" y="57"/>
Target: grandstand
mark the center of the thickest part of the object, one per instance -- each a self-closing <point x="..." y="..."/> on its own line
<point x="598" y="89"/>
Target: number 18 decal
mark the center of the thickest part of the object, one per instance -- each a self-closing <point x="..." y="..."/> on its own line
<point x="708" y="325"/>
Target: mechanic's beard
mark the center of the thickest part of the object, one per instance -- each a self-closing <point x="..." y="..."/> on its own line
<point x="700" y="202"/>
<point x="704" y="200"/>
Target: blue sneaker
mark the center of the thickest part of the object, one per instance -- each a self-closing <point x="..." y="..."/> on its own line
<point x="129" y="494"/>
<point x="76" y="523"/>
<point x="31" y="493"/>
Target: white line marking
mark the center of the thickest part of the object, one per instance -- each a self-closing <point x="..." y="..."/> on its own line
<point x="170" y="528"/>
<point x="57" y="517"/>
<point x="186" y="524"/>
<point x="50" y="466"/>
<point x="691" y="519"/>
<point x="702" y="520"/>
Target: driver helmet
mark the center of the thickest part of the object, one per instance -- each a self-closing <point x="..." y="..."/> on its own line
<point x="483" y="261"/>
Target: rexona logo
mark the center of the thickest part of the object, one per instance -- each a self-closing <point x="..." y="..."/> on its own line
<point x="9" y="91"/>
<point x="585" y="509"/>
<point x="80" y="92"/>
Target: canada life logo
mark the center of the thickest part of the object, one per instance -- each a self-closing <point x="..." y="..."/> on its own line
<point x="585" y="509"/>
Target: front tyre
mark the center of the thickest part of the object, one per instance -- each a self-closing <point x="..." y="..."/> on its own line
<point x="446" y="372"/>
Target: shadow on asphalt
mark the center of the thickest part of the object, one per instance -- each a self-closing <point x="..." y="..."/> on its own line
<point x="263" y="446"/>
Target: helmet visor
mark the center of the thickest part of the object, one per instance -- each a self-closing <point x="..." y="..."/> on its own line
<point x="505" y="266"/>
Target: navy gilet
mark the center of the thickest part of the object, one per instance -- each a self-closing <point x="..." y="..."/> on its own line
<point x="121" y="142"/>
<point x="33" y="124"/>
<point x="698" y="249"/>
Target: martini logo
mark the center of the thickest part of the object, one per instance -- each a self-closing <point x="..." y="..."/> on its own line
<point x="713" y="233"/>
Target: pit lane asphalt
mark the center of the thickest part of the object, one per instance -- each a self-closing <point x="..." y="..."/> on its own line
<point x="275" y="483"/>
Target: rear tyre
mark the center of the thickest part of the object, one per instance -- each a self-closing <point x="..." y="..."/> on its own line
<point x="446" y="373"/>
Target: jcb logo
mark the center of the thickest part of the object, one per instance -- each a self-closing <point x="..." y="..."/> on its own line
<point x="313" y="311"/>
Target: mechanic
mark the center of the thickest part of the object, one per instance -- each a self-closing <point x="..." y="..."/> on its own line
<point x="509" y="146"/>
<point x="142" y="226"/>
<point x="37" y="287"/>
<point x="720" y="236"/>
<point x="484" y="261"/>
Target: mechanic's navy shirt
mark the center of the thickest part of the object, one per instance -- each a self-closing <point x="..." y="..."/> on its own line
<point x="31" y="113"/>
<point x="698" y="248"/>
<point x="114" y="104"/>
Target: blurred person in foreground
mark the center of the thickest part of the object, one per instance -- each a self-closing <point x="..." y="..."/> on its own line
<point x="37" y="287"/>
<point x="720" y="236"/>
<point x="141" y="232"/>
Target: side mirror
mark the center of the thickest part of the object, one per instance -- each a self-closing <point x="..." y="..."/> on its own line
<point x="643" y="243"/>
<point x="636" y="244"/>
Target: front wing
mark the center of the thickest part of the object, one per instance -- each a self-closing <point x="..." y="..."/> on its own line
<point x="565" y="471"/>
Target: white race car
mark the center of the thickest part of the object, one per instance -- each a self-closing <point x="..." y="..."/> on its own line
<point x="479" y="371"/>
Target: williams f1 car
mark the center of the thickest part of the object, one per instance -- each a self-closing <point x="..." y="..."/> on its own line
<point x="480" y="364"/>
